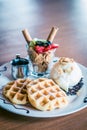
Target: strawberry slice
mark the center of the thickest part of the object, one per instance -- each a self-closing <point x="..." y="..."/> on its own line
<point x="53" y="46"/>
<point x="47" y="48"/>
<point x="50" y="47"/>
<point x="39" y="49"/>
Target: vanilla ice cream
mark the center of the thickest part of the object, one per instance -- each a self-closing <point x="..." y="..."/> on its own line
<point x="66" y="73"/>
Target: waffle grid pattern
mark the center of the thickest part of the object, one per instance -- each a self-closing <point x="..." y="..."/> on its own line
<point x="44" y="94"/>
<point x="16" y="92"/>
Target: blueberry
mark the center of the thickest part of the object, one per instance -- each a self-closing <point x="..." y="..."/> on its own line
<point x="48" y="42"/>
<point x="40" y="43"/>
<point x="76" y="88"/>
<point x="81" y="84"/>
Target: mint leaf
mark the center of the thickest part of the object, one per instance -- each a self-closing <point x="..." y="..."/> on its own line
<point x="32" y="43"/>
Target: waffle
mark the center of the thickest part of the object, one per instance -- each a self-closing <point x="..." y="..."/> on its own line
<point x="44" y="94"/>
<point x="16" y="92"/>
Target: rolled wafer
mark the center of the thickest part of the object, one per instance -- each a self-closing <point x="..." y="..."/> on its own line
<point x="27" y="35"/>
<point x="52" y="34"/>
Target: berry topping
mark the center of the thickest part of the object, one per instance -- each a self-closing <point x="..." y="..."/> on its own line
<point x="41" y="46"/>
<point x="50" y="47"/>
<point x="43" y="43"/>
<point x="53" y="46"/>
<point x="39" y="49"/>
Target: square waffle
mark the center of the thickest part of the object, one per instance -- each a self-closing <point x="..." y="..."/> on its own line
<point x="15" y="91"/>
<point x="44" y="94"/>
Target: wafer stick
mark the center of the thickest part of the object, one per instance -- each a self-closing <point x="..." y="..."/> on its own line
<point x="27" y="35"/>
<point x="52" y="34"/>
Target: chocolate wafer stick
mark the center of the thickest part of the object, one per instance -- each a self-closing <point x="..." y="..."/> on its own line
<point x="27" y="35"/>
<point x="52" y="34"/>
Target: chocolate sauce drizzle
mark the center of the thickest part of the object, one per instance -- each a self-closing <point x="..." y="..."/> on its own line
<point x="85" y="100"/>
<point x="4" y="101"/>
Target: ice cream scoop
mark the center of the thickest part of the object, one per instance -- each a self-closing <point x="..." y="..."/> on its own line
<point x="66" y="73"/>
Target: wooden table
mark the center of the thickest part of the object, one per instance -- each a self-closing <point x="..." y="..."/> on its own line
<point x="38" y="17"/>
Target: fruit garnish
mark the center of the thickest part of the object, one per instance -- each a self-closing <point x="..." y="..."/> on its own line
<point x="41" y="46"/>
<point x="50" y="47"/>
<point x="39" y="49"/>
<point x="47" y="48"/>
<point x="41" y="42"/>
<point x="53" y="46"/>
<point x="32" y="43"/>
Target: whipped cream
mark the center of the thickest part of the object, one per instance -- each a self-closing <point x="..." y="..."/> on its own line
<point x="66" y="73"/>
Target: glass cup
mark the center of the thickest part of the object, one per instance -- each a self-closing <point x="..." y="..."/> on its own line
<point x="40" y="64"/>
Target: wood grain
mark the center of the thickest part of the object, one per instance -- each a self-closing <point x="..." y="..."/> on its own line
<point x="38" y="17"/>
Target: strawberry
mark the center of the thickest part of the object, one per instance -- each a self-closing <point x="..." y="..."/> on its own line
<point x="39" y="49"/>
<point x="51" y="46"/>
<point x="47" y="48"/>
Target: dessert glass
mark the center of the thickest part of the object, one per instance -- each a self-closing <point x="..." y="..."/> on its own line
<point x="40" y="63"/>
<point x="41" y="53"/>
